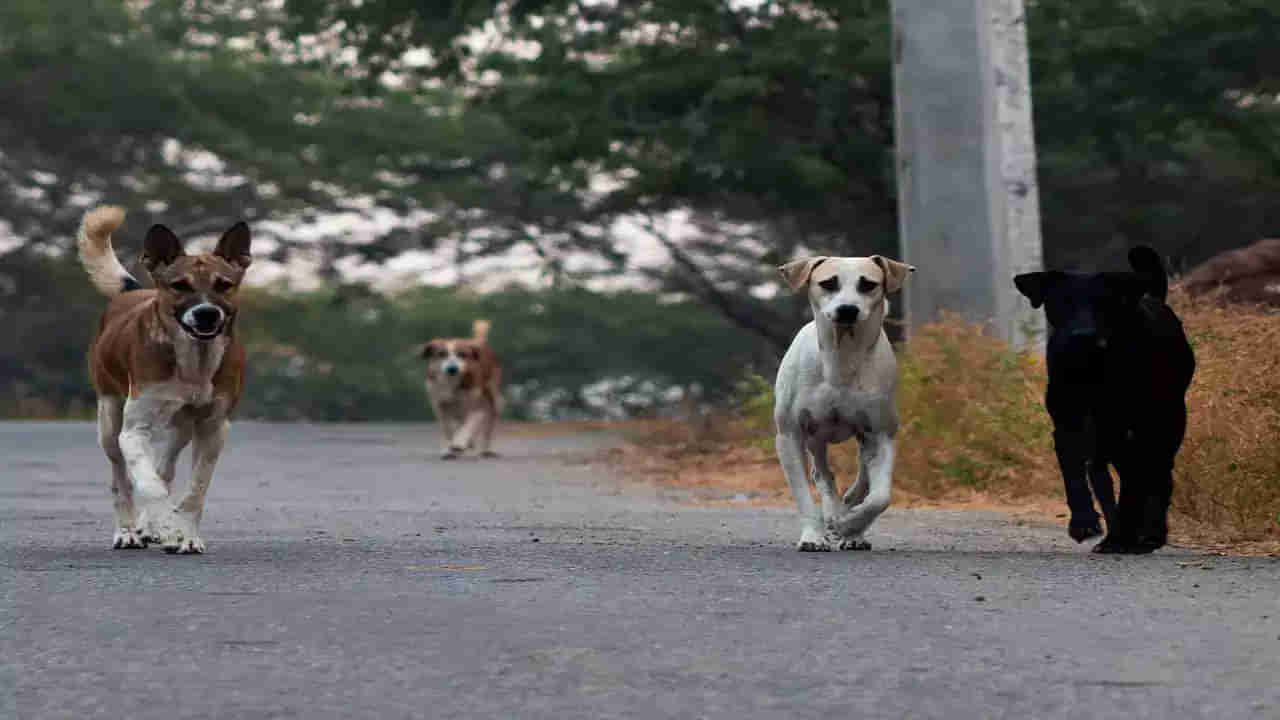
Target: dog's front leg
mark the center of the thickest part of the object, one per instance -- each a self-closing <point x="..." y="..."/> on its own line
<point x="467" y="433"/>
<point x="856" y="493"/>
<point x="147" y="426"/>
<point x="1072" y="444"/>
<point x="184" y="525"/>
<point x="791" y="456"/>
<point x="879" y="450"/>
<point x="825" y="480"/>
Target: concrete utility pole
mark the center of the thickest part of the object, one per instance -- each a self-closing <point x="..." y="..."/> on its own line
<point x="969" y="211"/>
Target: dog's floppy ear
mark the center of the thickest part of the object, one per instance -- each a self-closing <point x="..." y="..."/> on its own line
<point x="160" y="247"/>
<point x="233" y="246"/>
<point x="1035" y="285"/>
<point x="895" y="273"/>
<point x="796" y="273"/>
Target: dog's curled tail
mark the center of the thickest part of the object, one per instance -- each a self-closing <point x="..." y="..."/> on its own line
<point x="480" y="330"/>
<point x="1146" y="263"/>
<point x="97" y="255"/>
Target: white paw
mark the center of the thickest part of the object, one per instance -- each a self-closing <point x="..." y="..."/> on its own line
<point x="147" y="530"/>
<point x="128" y="539"/>
<point x="186" y="546"/>
<point x="175" y="531"/>
<point x="812" y="541"/>
<point x="855" y="542"/>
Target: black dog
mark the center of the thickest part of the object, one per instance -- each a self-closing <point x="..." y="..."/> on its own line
<point x="1119" y="369"/>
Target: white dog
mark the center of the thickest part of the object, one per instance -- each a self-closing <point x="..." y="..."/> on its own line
<point x="838" y="380"/>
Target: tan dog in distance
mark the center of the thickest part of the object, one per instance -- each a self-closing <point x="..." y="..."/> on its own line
<point x="464" y="383"/>
<point x="168" y="368"/>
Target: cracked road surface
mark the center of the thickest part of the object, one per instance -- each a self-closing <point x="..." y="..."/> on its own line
<point x="351" y="573"/>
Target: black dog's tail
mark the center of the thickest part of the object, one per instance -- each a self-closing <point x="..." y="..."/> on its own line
<point x="1146" y="263"/>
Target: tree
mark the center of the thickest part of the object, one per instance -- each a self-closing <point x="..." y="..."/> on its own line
<point x="774" y="115"/>
<point x="1157" y="123"/>
<point x="771" y="122"/>
<point x="195" y="113"/>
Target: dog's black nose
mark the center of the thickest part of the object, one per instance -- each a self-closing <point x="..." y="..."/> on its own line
<point x="451" y="370"/>
<point x="847" y="314"/>
<point x="207" y="317"/>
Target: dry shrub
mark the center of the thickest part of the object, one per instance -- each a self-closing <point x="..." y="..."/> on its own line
<point x="973" y="417"/>
<point x="1228" y="471"/>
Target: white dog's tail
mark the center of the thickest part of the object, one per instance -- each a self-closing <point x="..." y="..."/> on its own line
<point x="480" y="330"/>
<point x="97" y="255"/>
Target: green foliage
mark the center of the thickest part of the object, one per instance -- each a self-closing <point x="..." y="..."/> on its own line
<point x="1157" y="123"/>
<point x="1156" y="120"/>
<point x="347" y="353"/>
<point x="188" y="112"/>
<point x="351" y="354"/>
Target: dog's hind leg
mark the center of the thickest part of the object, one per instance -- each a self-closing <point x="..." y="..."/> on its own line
<point x="110" y="420"/>
<point x="880" y="451"/>
<point x="486" y="434"/>
<point x="791" y="456"/>
<point x="1122" y="534"/>
<point x="1159" y="443"/>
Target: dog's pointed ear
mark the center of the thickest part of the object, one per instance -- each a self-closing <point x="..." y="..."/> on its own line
<point x="1035" y="286"/>
<point x="796" y="273"/>
<point x="895" y="273"/>
<point x="233" y="246"/>
<point x="161" y="247"/>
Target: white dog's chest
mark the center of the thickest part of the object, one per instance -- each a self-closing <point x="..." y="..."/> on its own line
<point x="829" y="414"/>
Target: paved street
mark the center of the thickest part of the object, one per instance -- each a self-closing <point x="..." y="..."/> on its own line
<point x="352" y="574"/>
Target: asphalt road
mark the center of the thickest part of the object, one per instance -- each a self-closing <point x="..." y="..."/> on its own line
<point x="351" y="574"/>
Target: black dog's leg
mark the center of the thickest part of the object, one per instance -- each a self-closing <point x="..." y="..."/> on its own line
<point x="1122" y="532"/>
<point x="1103" y="489"/>
<point x="1072" y="445"/>
<point x="1161" y="446"/>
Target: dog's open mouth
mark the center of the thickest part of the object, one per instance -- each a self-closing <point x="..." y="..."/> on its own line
<point x="201" y="334"/>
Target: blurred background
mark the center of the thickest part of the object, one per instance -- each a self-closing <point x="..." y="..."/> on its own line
<point x="610" y="183"/>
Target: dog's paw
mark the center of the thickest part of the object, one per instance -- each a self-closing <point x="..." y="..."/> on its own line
<point x="128" y="539"/>
<point x="811" y="541"/>
<point x="186" y="546"/>
<point x="1080" y="533"/>
<point x="449" y="455"/>
<point x="146" y="530"/>
<point x="1115" y="546"/>
<point x="856" y="542"/>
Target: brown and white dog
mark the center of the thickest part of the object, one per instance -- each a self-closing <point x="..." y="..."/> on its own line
<point x="464" y="383"/>
<point x="168" y="368"/>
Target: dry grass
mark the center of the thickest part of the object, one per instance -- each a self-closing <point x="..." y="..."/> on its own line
<point x="1228" y="471"/>
<point x="975" y="432"/>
